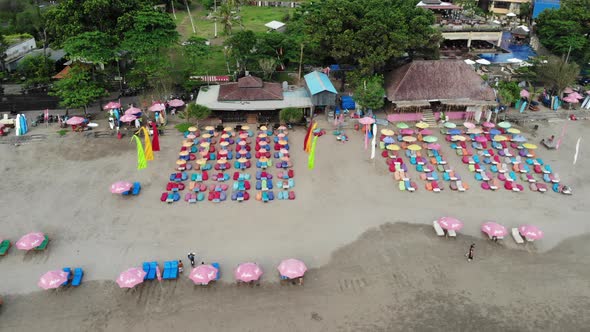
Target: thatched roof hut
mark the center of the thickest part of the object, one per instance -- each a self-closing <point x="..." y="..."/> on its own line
<point x="451" y="82"/>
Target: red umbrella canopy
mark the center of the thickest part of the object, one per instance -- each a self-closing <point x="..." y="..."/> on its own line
<point x="75" y="120"/>
<point x="112" y="105"/>
<point x="176" y="103"/>
<point x="367" y="120"/>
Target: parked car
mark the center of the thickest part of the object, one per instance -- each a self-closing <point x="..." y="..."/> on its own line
<point x="584" y="80"/>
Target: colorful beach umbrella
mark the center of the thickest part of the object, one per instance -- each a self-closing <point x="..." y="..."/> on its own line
<point x="500" y="138"/>
<point x="30" y="241"/>
<point x="504" y="124"/>
<point x="469" y="125"/>
<point x="392" y="147"/>
<point x="112" y="105"/>
<point x="450" y="223"/>
<point x="414" y="147"/>
<point x="157" y="107"/>
<point x="387" y="132"/>
<point x="120" y="187"/>
<point x="495" y="132"/>
<point x="531" y="232"/>
<point x="425" y="132"/>
<point x="430" y="139"/>
<point x="388" y="140"/>
<point x="488" y="124"/>
<point x="133" y="110"/>
<point x="409" y="139"/>
<point x="203" y="274"/>
<point x="529" y="146"/>
<point x="127" y="118"/>
<point x="518" y="138"/>
<point x="475" y="131"/>
<point x="494" y="229"/>
<point x="422" y="125"/>
<point x="52" y="279"/>
<point x="131" y="278"/>
<point x="513" y="131"/>
<point x="402" y="125"/>
<point x="75" y="120"/>
<point x="292" y="268"/>
<point x="481" y="139"/>
<point x="450" y="125"/>
<point x="455" y="132"/>
<point x="433" y="146"/>
<point x="458" y="138"/>
<point x="176" y="103"/>
<point x="407" y="131"/>
<point x="248" y="272"/>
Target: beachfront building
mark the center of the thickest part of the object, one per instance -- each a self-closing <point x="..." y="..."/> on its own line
<point x="503" y="7"/>
<point x="18" y="47"/>
<point x="322" y="91"/>
<point x="252" y="100"/>
<point x="424" y="87"/>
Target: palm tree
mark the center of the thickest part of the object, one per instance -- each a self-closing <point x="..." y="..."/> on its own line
<point x="226" y="17"/>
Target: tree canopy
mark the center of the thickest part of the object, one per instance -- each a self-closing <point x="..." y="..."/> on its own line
<point x="77" y="89"/>
<point x="36" y="70"/>
<point x="370" y="93"/>
<point x="568" y="26"/>
<point x="556" y="74"/>
<point x="368" y="33"/>
<point x="92" y="46"/>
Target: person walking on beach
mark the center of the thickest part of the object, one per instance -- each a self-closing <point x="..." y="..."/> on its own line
<point x="470" y="253"/>
<point x="191" y="258"/>
<point x="180" y="266"/>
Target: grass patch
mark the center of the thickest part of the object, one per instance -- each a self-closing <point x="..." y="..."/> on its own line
<point x="62" y="132"/>
<point x="183" y="127"/>
<point x="213" y="63"/>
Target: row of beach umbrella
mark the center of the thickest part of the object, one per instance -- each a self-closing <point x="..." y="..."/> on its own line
<point x="492" y="228"/>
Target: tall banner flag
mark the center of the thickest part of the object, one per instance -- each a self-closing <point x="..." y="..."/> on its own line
<point x="311" y="159"/>
<point x="155" y="138"/>
<point x="141" y="161"/>
<point x="149" y="154"/>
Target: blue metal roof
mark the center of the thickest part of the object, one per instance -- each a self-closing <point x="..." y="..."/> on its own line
<point x="318" y="82"/>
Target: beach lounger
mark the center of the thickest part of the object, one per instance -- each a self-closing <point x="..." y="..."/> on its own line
<point x="451" y="233"/>
<point x="43" y="244"/>
<point x="453" y="185"/>
<point x="402" y="185"/>
<point x="436" y="187"/>
<point x="516" y="236"/>
<point x="136" y="188"/>
<point x="461" y="186"/>
<point x="69" y="277"/>
<point x="4" y="246"/>
<point x="78" y="275"/>
<point x="439" y="231"/>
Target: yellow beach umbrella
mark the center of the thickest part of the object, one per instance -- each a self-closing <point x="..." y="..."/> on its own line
<point x="180" y="162"/>
<point x="206" y="135"/>
<point x="224" y="143"/>
<point x="409" y="139"/>
<point x="224" y="136"/>
<point x="187" y="144"/>
<point x="392" y="147"/>
<point x="387" y="132"/>
<point x="209" y="128"/>
<point x="263" y="128"/>
<point x="529" y="146"/>
<point x="513" y="131"/>
<point x="500" y="138"/>
<point x="228" y="129"/>
<point x="262" y="135"/>
<point x="245" y="128"/>
<point x="192" y="129"/>
<point x="458" y="138"/>
<point x="422" y="125"/>
<point x="205" y="144"/>
<point x="414" y="147"/>
<point x="183" y="153"/>
<point x="242" y="160"/>
<point x="201" y="161"/>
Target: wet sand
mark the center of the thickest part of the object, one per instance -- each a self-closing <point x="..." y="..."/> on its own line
<point x="365" y="275"/>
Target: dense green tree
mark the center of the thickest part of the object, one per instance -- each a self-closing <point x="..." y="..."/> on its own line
<point x="370" y="93"/>
<point x="268" y="66"/>
<point x="77" y="89"/>
<point x="291" y="115"/>
<point x="508" y="92"/>
<point x="242" y="45"/>
<point x="93" y="46"/>
<point x="3" y="47"/>
<point x="36" y="70"/>
<point x="368" y="33"/>
<point x="567" y="30"/>
<point x="556" y="74"/>
<point x="194" y="112"/>
<point x="71" y="17"/>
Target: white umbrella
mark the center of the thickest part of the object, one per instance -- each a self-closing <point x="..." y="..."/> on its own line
<point x="469" y="61"/>
<point x="514" y="60"/>
<point x="483" y="62"/>
<point x="496" y="22"/>
<point x="511" y="15"/>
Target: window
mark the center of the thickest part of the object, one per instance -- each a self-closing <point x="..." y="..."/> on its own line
<point x="501" y="4"/>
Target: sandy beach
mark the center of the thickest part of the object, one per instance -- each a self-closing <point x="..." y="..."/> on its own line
<point x="376" y="264"/>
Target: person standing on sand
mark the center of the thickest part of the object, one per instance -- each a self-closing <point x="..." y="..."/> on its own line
<point x="191" y="258"/>
<point x="180" y="266"/>
<point x="470" y="254"/>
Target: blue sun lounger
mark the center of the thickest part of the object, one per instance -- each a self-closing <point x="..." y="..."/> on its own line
<point x="69" y="272"/>
<point x="78" y="275"/>
<point x="136" y="188"/>
<point x="216" y="265"/>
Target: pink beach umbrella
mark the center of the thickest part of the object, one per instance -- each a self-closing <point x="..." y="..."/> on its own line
<point x="481" y="139"/>
<point x="248" y="272"/>
<point x="292" y="268"/>
<point x="524" y="93"/>
<point x="157" y="107"/>
<point x="203" y="274"/>
<point x="530" y="232"/>
<point x="426" y="132"/>
<point x="52" y="279"/>
<point x="120" y="187"/>
<point x="570" y="100"/>
<point x="75" y="120"/>
<point x="450" y="223"/>
<point x="128" y="118"/>
<point x="133" y="110"/>
<point x="488" y="124"/>
<point x="407" y="131"/>
<point x="30" y="241"/>
<point x="112" y="105"/>
<point x="131" y="278"/>
<point x="366" y="120"/>
<point x="176" y="103"/>
<point x="433" y="146"/>
<point x="494" y="229"/>
<point x="469" y="125"/>
<point x="575" y="95"/>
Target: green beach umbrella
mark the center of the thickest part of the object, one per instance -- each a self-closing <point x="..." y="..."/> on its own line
<point x="504" y="124"/>
<point x="430" y="139"/>
<point x="402" y="125"/>
<point x="450" y="125"/>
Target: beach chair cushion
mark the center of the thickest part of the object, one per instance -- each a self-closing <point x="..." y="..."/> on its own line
<point x="43" y="244"/>
<point x="439" y="231"/>
<point x="4" y="246"/>
<point x="69" y="272"/>
<point x="516" y="236"/>
<point x="78" y="275"/>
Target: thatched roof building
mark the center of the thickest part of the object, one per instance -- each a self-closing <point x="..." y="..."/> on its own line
<point x="450" y="82"/>
<point x="250" y="88"/>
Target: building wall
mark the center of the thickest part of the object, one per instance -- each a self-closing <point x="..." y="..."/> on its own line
<point x="324" y="99"/>
<point x="508" y="6"/>
<point x="20" y="49"/>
